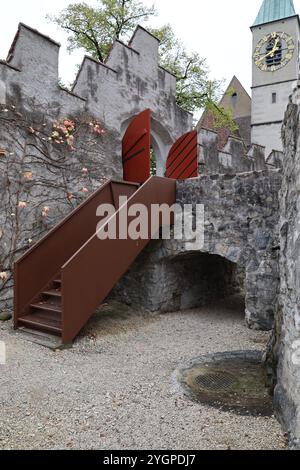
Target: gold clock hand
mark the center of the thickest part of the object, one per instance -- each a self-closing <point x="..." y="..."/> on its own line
<point x="275" y="48"/>
<point x="271" y="53"/>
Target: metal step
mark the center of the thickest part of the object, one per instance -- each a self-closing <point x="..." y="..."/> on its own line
<point x="52" y="293"/>
<point x="43" y="321"/>
<point x="52" y="296"/>
<point x="46" y="306"/>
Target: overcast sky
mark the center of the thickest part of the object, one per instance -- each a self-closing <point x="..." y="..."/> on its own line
<point x="217" y="29"/>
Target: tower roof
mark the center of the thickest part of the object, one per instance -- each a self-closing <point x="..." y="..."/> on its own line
<point x="273" y="10"/>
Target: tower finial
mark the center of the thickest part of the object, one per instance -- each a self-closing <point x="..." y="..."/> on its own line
<point x="273" y="10"/>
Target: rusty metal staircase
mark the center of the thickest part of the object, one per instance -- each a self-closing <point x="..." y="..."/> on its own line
<point x="46" y="313"/>
<point x="66" y="276"/>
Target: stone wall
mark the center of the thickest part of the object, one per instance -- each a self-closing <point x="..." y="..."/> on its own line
<point x="241" y="215"/>
<point x="234" y="157"/>
<point x="43" y="179"/>
<point x="129" y="82"/>
<point x="168" y="278"/>
<point x="284" y="351"/>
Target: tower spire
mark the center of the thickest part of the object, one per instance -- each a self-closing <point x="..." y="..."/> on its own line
<point x="273" y="10"/>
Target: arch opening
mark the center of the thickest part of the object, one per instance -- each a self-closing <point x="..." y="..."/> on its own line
<point x="157" y="160"/>
<point x="153" y="166"/>
<point x="161" y="142"/>
<point x="200" y="279"/>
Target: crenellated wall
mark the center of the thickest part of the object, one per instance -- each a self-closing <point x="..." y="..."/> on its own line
<point x="236" y="185"/>
<point x="29" y="76"/>
<point x="129" y="82"/>
<point x="36" y="172"/>
<point x="41" y="182"/>
<point x="234" y="158"/>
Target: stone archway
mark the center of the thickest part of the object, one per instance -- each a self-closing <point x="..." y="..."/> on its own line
<point x="161" y="142"/>
<point x="195" y="279"/>
<point x="186" y="279"/>
<point x="240" y="226"/>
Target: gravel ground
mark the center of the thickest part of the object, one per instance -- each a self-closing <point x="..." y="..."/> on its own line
<point x="114" y="389"/>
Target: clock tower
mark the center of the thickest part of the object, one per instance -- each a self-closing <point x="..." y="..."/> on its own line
<point x="275" y="65"/>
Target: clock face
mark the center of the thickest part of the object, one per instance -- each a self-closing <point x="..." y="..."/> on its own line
<point x="274" y="51"/>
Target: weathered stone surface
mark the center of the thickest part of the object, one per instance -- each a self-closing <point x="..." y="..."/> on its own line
<point x="234" y="157"/>
<point x="5" y="316"/>
<point x="167" y="278"/>
<point x="284" y="352"/>
<point x="42" y="174"/>
<point x="42" y="181"/>
<point x="240" y="209"/>
<point x="129" y="82"/>
<point x="241" y="215"/>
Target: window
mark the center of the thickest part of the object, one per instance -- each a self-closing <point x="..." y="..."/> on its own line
<point x="234" y="98"/>
<point x="274" y="98"/>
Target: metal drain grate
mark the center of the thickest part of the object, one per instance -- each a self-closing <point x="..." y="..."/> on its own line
<point x="232" y="381"/>
<point x="217" y="382"/>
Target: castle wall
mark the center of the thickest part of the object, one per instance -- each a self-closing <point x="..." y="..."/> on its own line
<point x="186" y="279"/>
<point x="234" y="157"/>
<point x="38" y="173"/>
<point x="240" y="198"/>
<point x="129" y="82"/>
<point x="241" y="214"/>
<point x="284" y="353"/>
<point x="40" y="183"/>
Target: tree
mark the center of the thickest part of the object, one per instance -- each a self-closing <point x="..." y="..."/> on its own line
<point x="95" y="28"/>
<point x="195" y="90"/>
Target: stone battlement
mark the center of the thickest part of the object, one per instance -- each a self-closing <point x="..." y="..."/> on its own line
<point x="130" y="81"/>
<point x="114" y="91"/>
<point x="235" y="157"/>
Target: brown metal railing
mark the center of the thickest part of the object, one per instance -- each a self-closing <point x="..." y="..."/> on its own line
<point x="41" y="263"/>
<point x="92" y="272"/>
